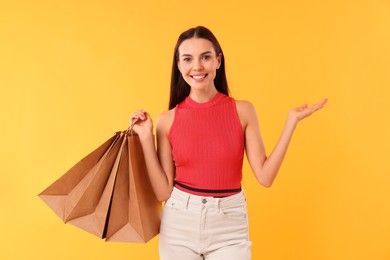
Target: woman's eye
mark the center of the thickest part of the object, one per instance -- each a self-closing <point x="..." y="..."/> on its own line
<point x="187" y="59"/>
<point x="206" y="57"/>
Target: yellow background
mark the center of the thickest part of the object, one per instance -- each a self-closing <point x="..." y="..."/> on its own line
<point x="71" y="73"/>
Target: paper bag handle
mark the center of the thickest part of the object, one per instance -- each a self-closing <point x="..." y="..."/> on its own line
<point x="129" y="130"/>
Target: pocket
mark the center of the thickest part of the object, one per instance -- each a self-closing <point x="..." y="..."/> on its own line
<point x="174" y="204"/>
<point x="235" y="211"/>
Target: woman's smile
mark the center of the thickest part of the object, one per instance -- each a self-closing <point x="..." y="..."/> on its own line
<point x="199" y="77"/>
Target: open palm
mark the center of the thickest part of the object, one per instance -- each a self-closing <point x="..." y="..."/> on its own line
<point x="304" y="111"/>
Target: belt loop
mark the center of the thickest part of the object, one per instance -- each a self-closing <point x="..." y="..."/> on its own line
<point x="219" y="204"/>
<point x="188" y="201"/>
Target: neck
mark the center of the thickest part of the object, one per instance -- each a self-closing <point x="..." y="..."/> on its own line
<point x="203" y="95"/>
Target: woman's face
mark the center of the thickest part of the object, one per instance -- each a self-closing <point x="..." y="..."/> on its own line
<point x="198" y="62"/>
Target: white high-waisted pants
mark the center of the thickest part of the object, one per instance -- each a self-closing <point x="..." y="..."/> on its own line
<point x="198" y="227"/>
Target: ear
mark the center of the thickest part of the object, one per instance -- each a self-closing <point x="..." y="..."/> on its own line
<point x="219" y="59"/>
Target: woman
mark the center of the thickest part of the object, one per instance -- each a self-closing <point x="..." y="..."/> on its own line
<point x="197" y="168"/>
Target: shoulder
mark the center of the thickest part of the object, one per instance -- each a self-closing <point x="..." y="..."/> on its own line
<point x="245" y="107"/>
<point x="165" y="120"/>
<point x="246" y="111"/>
<point x="244" y="104"/>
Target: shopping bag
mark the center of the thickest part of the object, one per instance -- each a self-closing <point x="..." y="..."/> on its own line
<point x="89" y="212"/>
<point x="64" y="192"/>
<point x="135" y="212"/>
<point x="83" y="195"/>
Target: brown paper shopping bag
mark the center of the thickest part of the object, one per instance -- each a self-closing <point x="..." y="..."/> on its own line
<point x="90" y="211"/>
<point x="57" y="195"/>
<point x="135" y="211"/>
<point x="83" y="195"/>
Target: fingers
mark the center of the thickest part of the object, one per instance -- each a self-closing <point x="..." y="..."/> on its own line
<point x="320" y="104"/>
<point x="138" y="115"/>
<point x="315" y="106"/>
<point x="303" y="106"/>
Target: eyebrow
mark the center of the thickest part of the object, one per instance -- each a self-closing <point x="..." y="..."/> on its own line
<point x="189" y="55"/>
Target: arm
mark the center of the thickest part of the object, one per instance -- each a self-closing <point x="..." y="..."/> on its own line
<point x="159" y="164"/>
<point x="266" y="168"/>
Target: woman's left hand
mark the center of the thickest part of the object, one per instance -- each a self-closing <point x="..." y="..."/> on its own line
<point x="299" y="113"/>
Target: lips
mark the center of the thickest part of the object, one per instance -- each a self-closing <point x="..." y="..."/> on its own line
<point x="198" y="77"/>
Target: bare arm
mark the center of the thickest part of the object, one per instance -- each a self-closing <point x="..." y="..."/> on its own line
<point x="266" y="168"/>
<point x="159" y="163"/>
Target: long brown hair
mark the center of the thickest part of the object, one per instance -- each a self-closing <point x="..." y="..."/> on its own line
<point x="179" y="88"/>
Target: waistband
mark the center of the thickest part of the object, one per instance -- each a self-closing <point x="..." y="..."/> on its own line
<point x="207" y="192"/>
<point x="195" y="200"/>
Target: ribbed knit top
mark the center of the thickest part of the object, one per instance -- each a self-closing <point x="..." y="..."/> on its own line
<point x="207" y="146"/>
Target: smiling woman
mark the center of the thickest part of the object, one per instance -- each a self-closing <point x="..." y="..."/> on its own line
<point x="198" y="69"/>
<point x="196" y="47"/>
<point x="201" y="140"/>
<point x="71" y="71"/>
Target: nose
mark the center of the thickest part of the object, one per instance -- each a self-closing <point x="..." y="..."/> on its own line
<point x="198" y="65"/>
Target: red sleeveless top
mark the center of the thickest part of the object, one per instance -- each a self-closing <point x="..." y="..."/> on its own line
<point x="207" y="146"/>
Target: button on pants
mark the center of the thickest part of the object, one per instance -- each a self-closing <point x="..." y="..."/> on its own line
<point x="198" y="227"/>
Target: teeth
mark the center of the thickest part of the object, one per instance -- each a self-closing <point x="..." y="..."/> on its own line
<point x="199" y="77"/>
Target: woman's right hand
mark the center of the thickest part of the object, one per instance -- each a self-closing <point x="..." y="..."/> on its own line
<point x="143" y="124"/>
